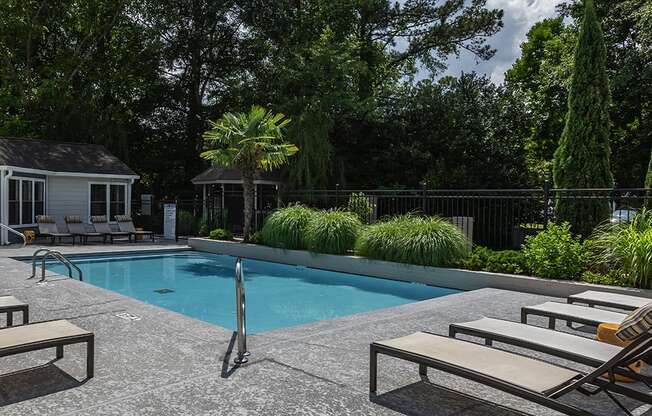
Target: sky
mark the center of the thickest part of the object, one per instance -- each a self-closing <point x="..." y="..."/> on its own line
<point x="519" y="16"/>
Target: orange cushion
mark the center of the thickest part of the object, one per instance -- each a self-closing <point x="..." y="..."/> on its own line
<point x="607" y="333"/>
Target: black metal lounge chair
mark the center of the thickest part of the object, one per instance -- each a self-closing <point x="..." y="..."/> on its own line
<point x="537" y="381"/>
<point x="76" y="227"/>
<point x="610" y="300"/>
<point x="126" y="224"/>
<point x="9" y="305"/>
<point x="560" y="344"/>
<point x="49" y="334"/>
<point x="47" y="227"/>
<point x="571" y="313"/>
<point x="102" y="226"/>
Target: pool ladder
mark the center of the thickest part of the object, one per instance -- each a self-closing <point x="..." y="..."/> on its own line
<point x="56" y="255"/>
<point x="240" y="304"/>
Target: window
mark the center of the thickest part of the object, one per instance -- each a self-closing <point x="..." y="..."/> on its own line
<point x="108" y="199"/>
<point x="98" y="199"/>
<point x="26" y="200"/>
<point x="117" y="201"/>
<point x="14" y="202"/>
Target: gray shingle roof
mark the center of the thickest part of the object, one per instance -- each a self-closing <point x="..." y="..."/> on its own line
<point x="216" y="175"/>
<point x="60" y="157"/>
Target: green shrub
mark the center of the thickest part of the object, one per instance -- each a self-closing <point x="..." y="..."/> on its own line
<point x="610" y="279"/>
<point x="332" y="232"/>
<point x="187" y="223"/>
<point x="555" y="253"/>
<point x="505" y="261"/>
<point x="625" y="248"/>
<point x="205" y="226"/>
<point x="256" y="238"/>
<point x="360" y="205"/>
<point x="285" y="227"/>
<point x="411" y="239"/>
<point x="220" y="234"/>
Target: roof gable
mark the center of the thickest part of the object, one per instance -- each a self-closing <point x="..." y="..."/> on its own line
<point x="216" y="174"/>
<point x="60" y="157"/>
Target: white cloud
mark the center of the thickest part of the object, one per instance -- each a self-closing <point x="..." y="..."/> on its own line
<point x="519" y="16"/>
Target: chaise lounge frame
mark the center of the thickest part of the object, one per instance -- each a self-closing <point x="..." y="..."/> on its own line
<point x="53" y="342"/>
<point x="588" y="383"/>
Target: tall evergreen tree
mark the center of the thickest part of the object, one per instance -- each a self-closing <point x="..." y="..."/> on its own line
<point x="648" y="184"/>
<point x="582" y="158"/>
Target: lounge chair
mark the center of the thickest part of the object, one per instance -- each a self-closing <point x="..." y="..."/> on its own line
<point x="530" y="379"/>
<point x="9" y="305"/>
<point x="47" y="227"/>
<point x="610" y="300"/>
<point x="102" y="226"/>
<point x="571" y="313"/>
<point x="560" y="344"/>
<point x="125" y="224"/>
<point x="76" y="227"/>
<point x="42" y="335"/>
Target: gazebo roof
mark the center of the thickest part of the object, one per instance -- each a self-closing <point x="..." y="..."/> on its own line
<point x="221" y="175"/>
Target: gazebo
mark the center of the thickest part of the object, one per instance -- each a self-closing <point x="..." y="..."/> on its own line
<point x="222" y="188"/>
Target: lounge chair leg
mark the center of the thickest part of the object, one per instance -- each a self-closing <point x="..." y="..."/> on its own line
<point x="26" y="315"/>
<point x="10" y="319"/>
<point x="488" y="342"/>
<point x="59" y="352"/>
<point x="373" y="372"/>
<point x="452" y="332"/>
<point x="551" y="323"/>
<point x="523" y="317"/>
<point x="90" y="358"/>
<point x="423" y="370"/>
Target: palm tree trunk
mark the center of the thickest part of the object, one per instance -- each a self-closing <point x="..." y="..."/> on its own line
<point x="248" y="195"/>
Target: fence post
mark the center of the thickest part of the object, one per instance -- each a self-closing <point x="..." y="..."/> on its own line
<point x="546" y="202"/>
<point x="424" y="190"/>
<point x="337" y="195"/>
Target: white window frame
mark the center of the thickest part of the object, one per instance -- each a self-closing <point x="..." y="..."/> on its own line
<point x="108" y="198"/>
<point x="20" y="180"/>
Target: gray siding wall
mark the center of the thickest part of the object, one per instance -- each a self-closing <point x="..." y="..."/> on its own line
<point x="69" y="196"/>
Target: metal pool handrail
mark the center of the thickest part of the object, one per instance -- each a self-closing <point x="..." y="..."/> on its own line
<point x="11" y="230"/>
<point x="57" y="255"/>
<point x="241" y="314"/>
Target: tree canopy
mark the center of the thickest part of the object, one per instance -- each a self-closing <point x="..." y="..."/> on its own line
<point x="361" y="80"/>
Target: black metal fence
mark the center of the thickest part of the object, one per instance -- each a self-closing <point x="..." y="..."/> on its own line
<point x="498" y="219"/>
<point x="221" y="209"/>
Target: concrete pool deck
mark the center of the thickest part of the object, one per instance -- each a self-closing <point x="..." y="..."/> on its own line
<point x="165" y="363"/>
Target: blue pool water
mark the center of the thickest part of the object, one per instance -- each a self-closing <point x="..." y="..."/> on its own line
<point x="201" y="285"/>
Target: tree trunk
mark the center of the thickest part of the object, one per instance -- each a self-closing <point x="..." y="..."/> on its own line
<point x="248" y="195"/>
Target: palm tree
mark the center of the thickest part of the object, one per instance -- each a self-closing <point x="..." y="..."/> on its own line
<point x="250" y="142"/>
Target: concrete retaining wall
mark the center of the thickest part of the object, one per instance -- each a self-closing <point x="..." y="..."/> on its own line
<point x="436" y="276"/>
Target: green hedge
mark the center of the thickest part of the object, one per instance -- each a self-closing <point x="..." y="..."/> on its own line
<point x="429" y="241"/>
<point x="220" y="234"/>
<point x="505" y="261"/>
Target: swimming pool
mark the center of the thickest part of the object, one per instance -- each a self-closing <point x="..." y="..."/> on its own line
<point x="201" y="285"/>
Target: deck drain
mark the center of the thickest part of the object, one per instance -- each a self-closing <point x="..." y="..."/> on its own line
<point x="127" y="316"/>
<point x="164" y="291"/>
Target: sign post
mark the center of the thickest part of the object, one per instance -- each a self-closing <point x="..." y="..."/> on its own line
<point x="170" y="221"/>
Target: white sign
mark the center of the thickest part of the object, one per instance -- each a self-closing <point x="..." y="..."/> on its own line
<point x="170" y="221"/>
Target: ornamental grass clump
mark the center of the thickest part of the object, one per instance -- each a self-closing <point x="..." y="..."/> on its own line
<point x="626" y="249"/>
<point x="332" y="232"/>
<point x="285" y="227"/>
<point x="430" y="241"/>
